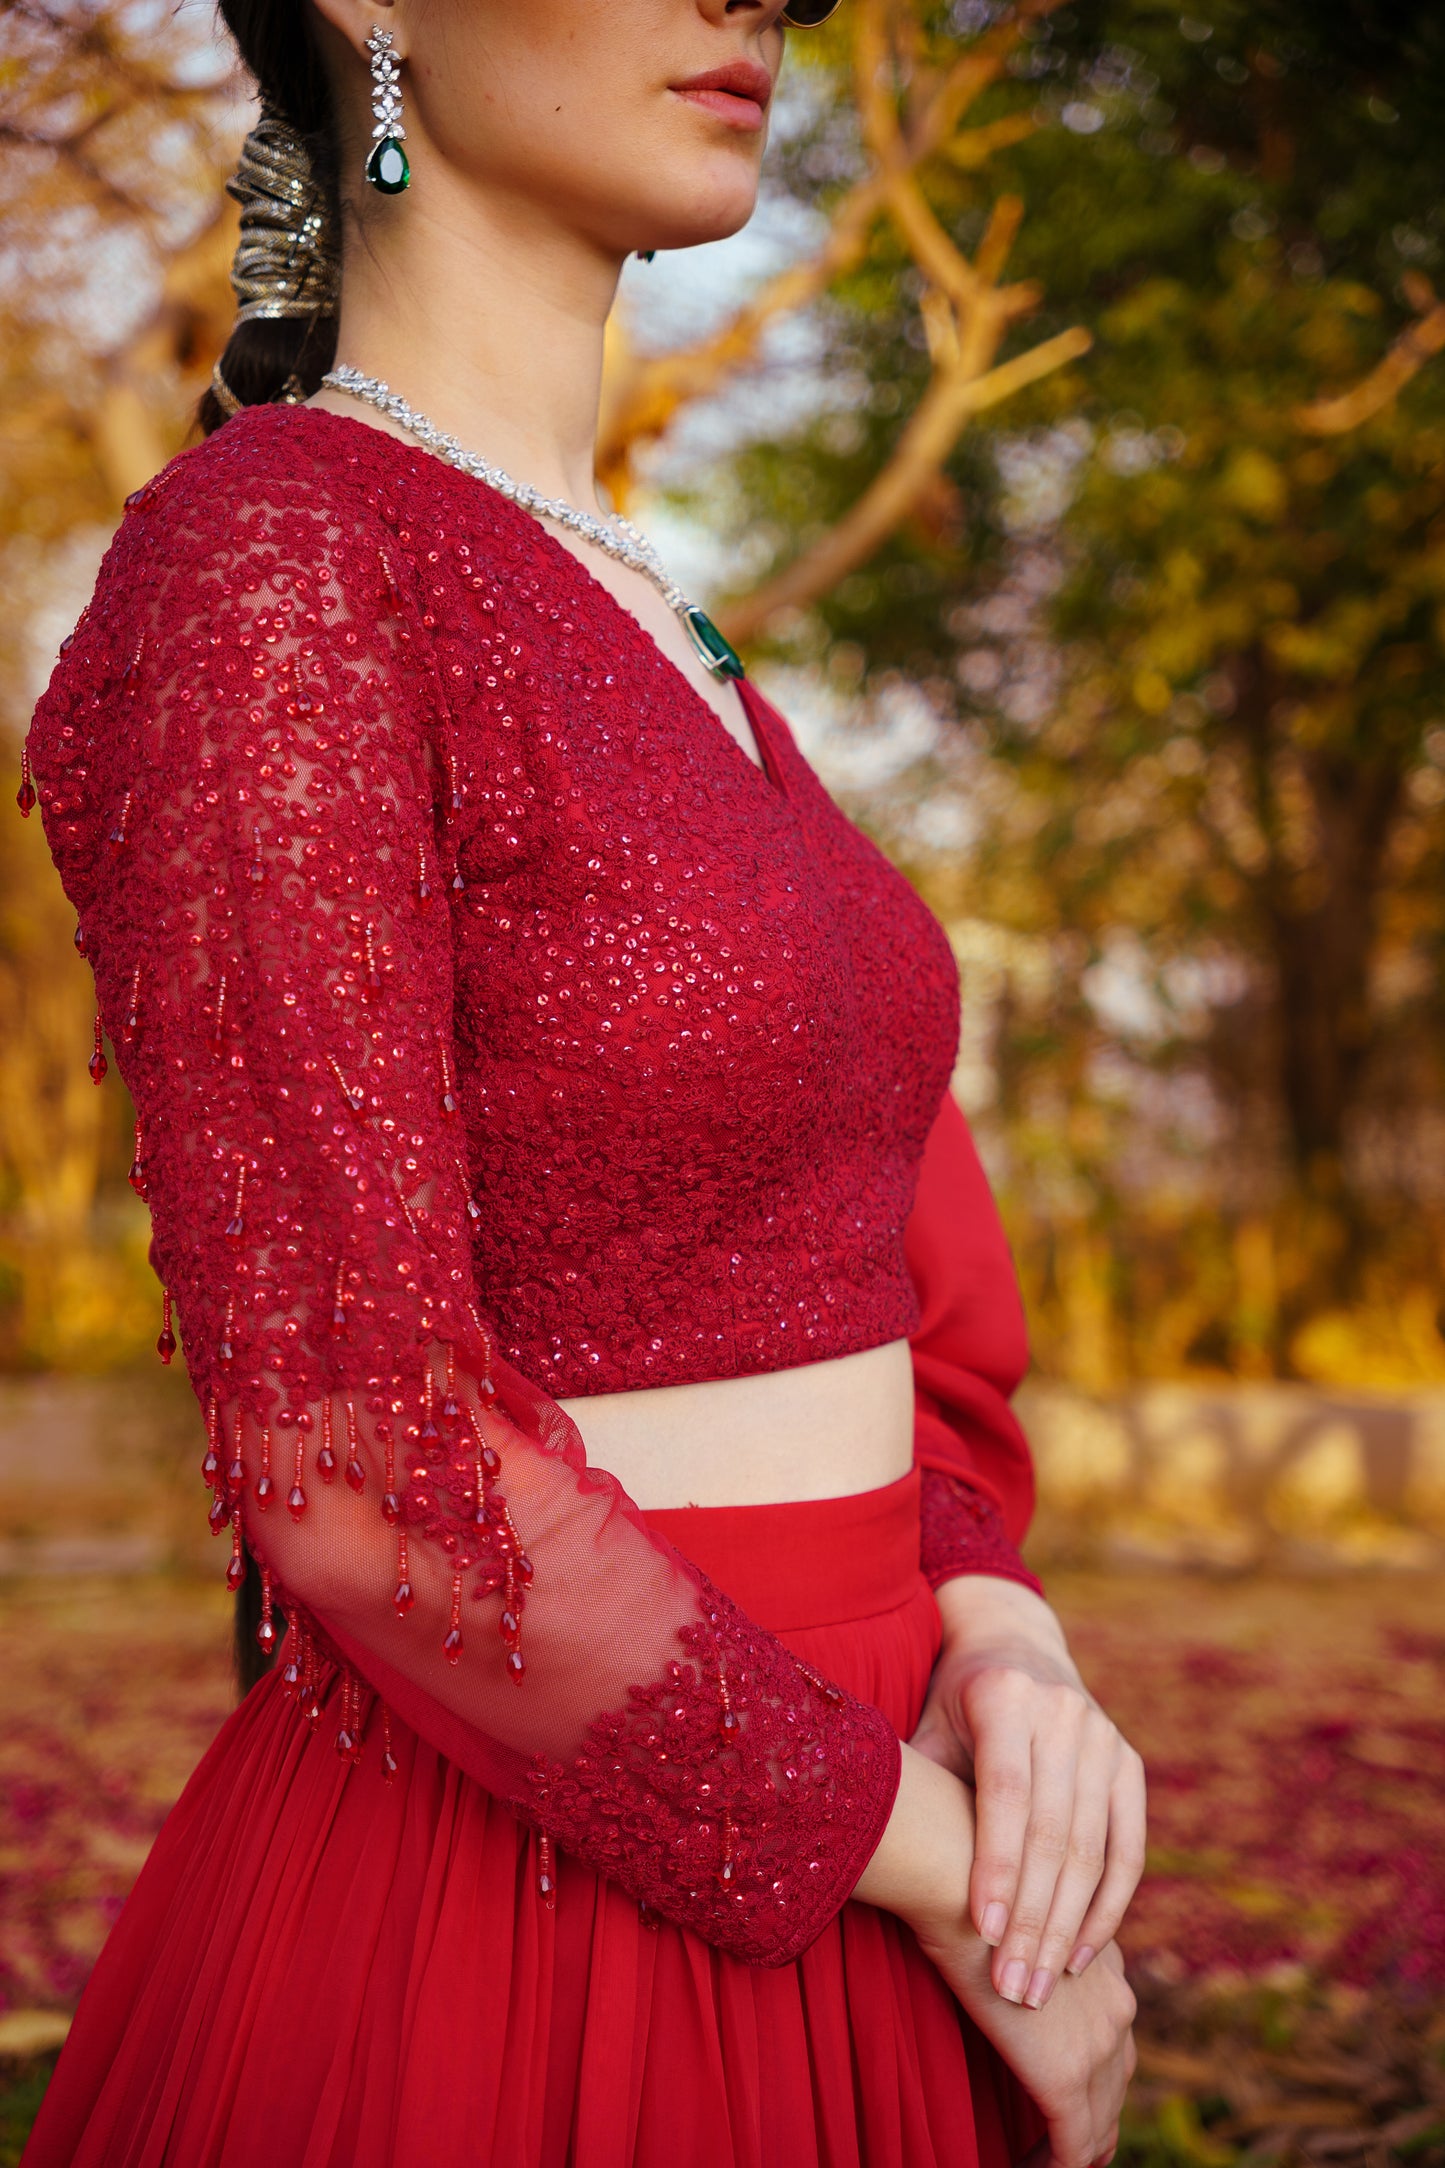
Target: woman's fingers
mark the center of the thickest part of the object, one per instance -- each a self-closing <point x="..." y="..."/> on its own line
<point x="1055" y="1775"/>
<point x="1060" y="1836"/>
<point x="1123" y="1863"/>
<point x="1000" y="1717"/>
<point x="1084" y="1863"/>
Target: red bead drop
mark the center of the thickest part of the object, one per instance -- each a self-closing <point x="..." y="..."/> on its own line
<point x="137" y="1167"/>
<point x="166" y="1342"/>
<point x="452" y="1645"/>
<point x="25" y="796"/>
<point x="265" y="1491"/>
<point x="296" y="1501"/>
<point x="516" y="1665"/>
<point x="99" y="1066"/>
<point x="403" y="1598"/>
<point x="236" y="1224"/>
<point x="132" y="1017"/>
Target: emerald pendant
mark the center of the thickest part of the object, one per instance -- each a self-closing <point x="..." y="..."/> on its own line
<point x="387" y="167"/>
<point x="720" y="656"/>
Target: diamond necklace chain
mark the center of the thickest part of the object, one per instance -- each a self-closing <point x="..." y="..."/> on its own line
<point x="618" y="537"/>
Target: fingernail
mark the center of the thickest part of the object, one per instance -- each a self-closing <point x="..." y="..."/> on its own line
<point x="1082" y="1956"/>
<point x="1011" y="1986"/>
<point x="995" y="1920"/>
<point x="1039" y="1987"/>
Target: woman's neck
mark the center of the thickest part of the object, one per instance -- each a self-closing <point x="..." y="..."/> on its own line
<point x="489" y="319"/>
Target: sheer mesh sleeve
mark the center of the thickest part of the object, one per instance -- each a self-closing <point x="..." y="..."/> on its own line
<point x="241" y="785"/>
<point x="970" y="1352"/>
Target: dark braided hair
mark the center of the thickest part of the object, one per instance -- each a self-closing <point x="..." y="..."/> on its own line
<point x="277" y="41"/>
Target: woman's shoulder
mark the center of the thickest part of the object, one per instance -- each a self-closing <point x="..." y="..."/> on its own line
<point x="239" y="489"/>
<point x="258" y="519"/>
<point x="248" y="555"/>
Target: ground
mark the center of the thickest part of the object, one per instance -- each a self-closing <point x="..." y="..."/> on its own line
<point x="1287" y="1946"/>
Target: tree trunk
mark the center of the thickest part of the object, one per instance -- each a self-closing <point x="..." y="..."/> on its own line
<point x="1322" y="921"/>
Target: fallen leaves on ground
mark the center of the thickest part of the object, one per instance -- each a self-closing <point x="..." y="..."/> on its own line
<point x="1287" y="1946"/>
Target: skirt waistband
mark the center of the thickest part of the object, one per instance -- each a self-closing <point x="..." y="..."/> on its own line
<point x="806" y="1561"/>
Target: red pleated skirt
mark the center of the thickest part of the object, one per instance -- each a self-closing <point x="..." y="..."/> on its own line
<point x="313" y="1971"/>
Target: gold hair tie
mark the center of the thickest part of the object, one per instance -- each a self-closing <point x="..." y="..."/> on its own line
<point x="287" y="262"/>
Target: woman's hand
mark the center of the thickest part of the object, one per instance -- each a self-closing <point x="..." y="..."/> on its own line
<point x="1059" y="1847"/>
<point x="1075" y="2059"/>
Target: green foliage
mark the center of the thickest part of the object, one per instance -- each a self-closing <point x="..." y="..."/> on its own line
<point x="22" y="2088"/>
<point x="1191" y="647"/>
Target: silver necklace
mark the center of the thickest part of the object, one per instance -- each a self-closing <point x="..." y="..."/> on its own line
<point x="618" y="536"/>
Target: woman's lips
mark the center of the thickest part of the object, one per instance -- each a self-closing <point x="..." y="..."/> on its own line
<point x="737" y="112"/>
<point x="737" y="93"/>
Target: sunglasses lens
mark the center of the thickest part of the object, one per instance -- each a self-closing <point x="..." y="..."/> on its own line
<point x="807" y="14"/>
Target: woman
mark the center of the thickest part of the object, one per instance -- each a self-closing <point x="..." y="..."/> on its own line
<point x="525" y="1052"/>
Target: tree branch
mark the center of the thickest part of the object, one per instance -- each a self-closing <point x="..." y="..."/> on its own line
<point x="929" y="436"/>
<point x="1418" y="343"/>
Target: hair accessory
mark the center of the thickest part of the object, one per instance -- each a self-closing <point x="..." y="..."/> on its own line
<point x="224" y="397"/>
<point x="287" y="261"/>
<point x="386" y="167"/>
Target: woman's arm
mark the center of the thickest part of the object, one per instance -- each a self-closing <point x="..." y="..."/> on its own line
<point x="1061" y="1804"/>
<point x="248" y="794"/>
<point x="1077" y="2056"/>
<point x="1061" y="1793"/>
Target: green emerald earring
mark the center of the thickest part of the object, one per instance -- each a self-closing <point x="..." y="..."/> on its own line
<point x="387" y="167"/>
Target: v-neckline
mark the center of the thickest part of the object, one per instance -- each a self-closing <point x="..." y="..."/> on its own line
<point x="766" y="767"/>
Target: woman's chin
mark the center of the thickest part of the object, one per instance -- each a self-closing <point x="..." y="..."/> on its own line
<point x="693" y="220"/>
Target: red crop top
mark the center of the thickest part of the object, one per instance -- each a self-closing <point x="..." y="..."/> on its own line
<point x="497" y="1030"/>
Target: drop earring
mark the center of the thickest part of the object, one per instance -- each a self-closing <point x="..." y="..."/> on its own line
<point x="386" y="167"/>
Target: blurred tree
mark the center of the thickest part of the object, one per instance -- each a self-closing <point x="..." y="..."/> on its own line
<point x="117" y="124"/>
<point x="1205" y="627"/>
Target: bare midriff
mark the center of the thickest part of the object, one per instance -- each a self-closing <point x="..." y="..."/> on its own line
<point x="819" y="1430"/>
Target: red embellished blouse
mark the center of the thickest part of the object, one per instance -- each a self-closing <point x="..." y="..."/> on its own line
<point x="498" y="1030"/>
